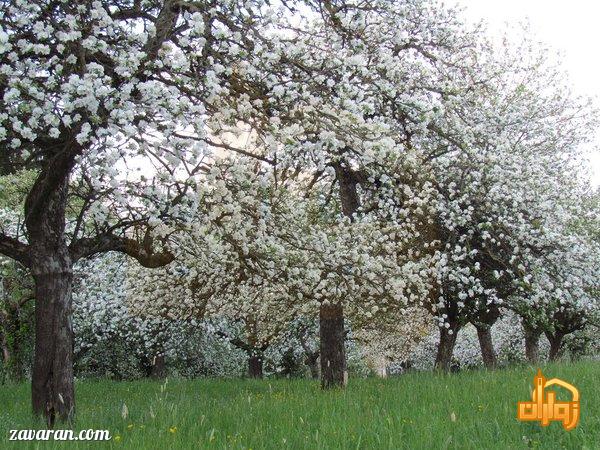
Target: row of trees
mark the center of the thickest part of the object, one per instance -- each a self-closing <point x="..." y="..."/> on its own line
<point x="282" y="267"/>
<point x="346" y="159"/>
<point x="111" y="341"/>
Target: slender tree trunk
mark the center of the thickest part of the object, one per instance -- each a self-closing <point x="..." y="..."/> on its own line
<point x="331" y="317"/>
<point x="52" y="391"/>
<point x="159" y="367"/>
<point x="532" y="343"/>
<point x="446" y="347"/>
<point x="332" y="350"/>
<point x="484" y="333"/>
<point x="555" y="345"/>
<point x="255" y="366"/>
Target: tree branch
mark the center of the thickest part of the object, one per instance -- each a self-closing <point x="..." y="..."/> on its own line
<point x="14" y="249"/>
<point x="142" y="252"/>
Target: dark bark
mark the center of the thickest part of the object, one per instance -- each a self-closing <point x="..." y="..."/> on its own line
<point x="555" y="345"/>
<point x="52" y="389"/>
<point x="255" y="366"/>
<point x="348" y="181"/>
<point x="532" y="343"/>
<point x="159" y="367"/>
<point x="331" y="317"/>
<point x="47" y="254"/>
<point x="143" y="252"/>
<point x="14" y="249"/>
<point x="484" y="318"/>
<point x="445" y="350"/>
<point x="333" y="354"/>
<point x="484" y="333"/>
<point x="253" y="350"/>
<point x="565" y="321"/>
<point x="165" y="23"/>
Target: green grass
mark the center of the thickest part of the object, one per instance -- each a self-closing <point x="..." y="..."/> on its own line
<point x="412" y="411"/>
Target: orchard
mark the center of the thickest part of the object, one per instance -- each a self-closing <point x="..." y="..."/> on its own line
<point x="327" y="189"/>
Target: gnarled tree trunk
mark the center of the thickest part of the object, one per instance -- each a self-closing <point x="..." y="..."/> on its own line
<point x="532" y="343"/>
<point x="332" y="347"/>
<point x="484" y="318"/>
<point x="52" y="390"/>
<point x="255" y="365"/>
<point x="446" y="345"/>
<point x="484" y="334"/>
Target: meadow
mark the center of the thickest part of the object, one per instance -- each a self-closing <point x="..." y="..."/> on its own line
<point x="466" y="410"/>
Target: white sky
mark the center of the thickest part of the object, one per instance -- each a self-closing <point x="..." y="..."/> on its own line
<point x="571" y="27"/>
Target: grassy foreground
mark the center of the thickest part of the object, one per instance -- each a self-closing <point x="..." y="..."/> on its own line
<point x="475" y="409"/>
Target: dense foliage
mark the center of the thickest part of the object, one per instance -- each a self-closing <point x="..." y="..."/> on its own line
<point x="189" y="185"/>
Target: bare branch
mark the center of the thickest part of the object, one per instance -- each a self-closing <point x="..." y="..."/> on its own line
<point x="14" y="249"/>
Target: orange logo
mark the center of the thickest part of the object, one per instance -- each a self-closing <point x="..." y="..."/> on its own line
<point x="545" y="408"/>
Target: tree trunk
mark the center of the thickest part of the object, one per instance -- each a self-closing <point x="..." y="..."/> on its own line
<point x="555" y="345"/>
<point x="446" y="347"/>
<point x="52" y="391"/>
<point x="255" y="366"/>
<point x="484" y="333"/>
<point x="332" y="351"/>
<point x="532" y="343"/>
<point x="159" y="367"/>
<point x="331" y="317"/>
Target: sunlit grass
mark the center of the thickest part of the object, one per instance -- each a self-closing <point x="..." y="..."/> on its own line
<point x="420" y="410"/>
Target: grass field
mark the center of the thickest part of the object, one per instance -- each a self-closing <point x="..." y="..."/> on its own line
<point x="475" y="409"/>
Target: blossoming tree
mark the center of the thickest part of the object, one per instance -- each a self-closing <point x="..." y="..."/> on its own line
<point x="92" y="92"/>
